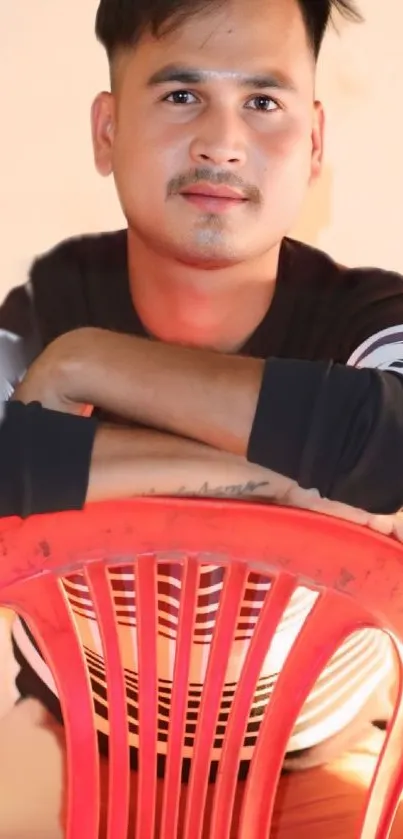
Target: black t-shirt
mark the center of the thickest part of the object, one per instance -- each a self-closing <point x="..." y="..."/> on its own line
<point x="322" y="315"/>
<point x="320" y="310"/>
<point x="317" y="422"/>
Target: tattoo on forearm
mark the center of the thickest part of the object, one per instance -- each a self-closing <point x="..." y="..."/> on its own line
<point x="232" y="490"/>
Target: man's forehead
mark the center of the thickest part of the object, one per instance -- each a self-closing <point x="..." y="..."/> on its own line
<point x="237" y="46"/>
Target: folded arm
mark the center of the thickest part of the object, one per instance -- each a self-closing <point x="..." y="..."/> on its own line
<point x="134" y="462"/>
<point x="329" y="426"/>
<point x="52" y="462"/>
<point x="121" y="462"/>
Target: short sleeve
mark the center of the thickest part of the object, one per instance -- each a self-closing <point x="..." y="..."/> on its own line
<point x="19" y="341"/>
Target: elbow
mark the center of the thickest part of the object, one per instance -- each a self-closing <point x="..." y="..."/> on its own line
<point x="333" y="428"/>
<point x="369" y="471"/>
<point x="378" y="490"/>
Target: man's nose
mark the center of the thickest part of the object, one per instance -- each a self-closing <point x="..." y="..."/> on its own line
<point x="219" y="140"/>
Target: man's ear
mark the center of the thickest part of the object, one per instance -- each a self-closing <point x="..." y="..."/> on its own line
<point x="318" y="139"/>
<point x="103" y="130"/>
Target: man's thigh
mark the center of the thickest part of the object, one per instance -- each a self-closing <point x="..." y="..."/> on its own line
<point x="31" y="774"/>
<point x="328" y="801"/>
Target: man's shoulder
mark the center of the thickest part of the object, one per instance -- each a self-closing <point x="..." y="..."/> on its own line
<point x="333" y="309"/>
<point x="324" y="273"/>
<point x="71" y="283"/>
<point x="83" y="252"/>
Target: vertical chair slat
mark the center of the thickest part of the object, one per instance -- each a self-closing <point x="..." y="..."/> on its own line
<point x="277" y="600"/>
<point x="325" y="628"/>
<point x="387" y="783"/>
<point x="226" y="623"/>
<point x="177" y="722"/>
<point x="118" y="748"/>
<point x="48" y="613"/>
<point x="147" y="634"/>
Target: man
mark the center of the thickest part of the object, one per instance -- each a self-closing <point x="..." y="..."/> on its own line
<point x="248" y="343"/>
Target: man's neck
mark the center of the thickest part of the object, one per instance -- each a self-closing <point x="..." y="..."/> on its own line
<point x="216" y="309"/>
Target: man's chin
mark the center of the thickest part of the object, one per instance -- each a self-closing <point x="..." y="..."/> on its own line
<point x="211" y="249"/>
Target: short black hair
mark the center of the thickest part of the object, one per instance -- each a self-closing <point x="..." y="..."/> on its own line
<point x="121" y="23"/>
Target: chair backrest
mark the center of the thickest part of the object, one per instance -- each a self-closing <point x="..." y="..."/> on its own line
<point x="105" y="568"/>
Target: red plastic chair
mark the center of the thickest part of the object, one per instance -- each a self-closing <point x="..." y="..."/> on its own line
<point x="357" y="573"/>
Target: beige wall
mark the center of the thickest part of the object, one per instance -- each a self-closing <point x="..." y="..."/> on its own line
<point x="51" y="66"/>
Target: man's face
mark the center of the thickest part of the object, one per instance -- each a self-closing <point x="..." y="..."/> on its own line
<point x="212" y="133"/>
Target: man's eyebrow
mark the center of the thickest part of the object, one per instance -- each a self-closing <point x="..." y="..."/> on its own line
<point x="188" y="75"/>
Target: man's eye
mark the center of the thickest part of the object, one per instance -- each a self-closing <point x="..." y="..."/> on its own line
<point x="181" y="97"/>
<point x="263" y="103"/>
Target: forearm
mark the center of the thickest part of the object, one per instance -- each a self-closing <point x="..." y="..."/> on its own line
<point x="127" y="463"/>
<point x="202" y="395"/>
<point x="323" y="425"/>
<point x="64" y="460"/>
<point x="51" y="461"/>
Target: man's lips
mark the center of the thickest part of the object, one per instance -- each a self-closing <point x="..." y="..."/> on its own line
<point x="210" y="191"/>
<point x="213" y="198"/>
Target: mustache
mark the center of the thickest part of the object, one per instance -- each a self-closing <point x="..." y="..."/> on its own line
<point x="216" y="178"/>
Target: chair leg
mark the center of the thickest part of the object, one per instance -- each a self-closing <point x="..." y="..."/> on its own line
<point x="387" y="784"/>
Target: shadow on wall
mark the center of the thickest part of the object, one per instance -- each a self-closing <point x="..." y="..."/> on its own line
<point x="317" y="214"/>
